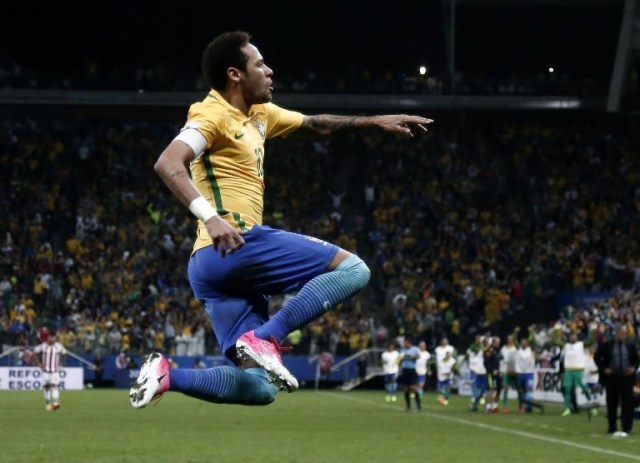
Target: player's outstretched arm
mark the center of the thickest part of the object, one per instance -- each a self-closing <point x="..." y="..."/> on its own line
<point x="171" y="166"/>
<point x="401" y="124"/>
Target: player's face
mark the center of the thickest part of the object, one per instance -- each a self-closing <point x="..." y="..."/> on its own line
<point x="257" y="86"/>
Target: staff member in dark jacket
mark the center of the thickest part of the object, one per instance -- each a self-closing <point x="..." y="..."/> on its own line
<point x="492" y="365"/>
<point x="617" y="362"/>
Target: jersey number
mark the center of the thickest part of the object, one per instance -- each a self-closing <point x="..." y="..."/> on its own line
<point x="259" y="162"/>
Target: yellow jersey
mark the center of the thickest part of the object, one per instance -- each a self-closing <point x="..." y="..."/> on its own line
<point x="230" y="173"/>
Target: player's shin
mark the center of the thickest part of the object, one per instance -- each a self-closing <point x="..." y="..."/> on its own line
<point x="317" y="297"/>
<point x="228" y="385"/>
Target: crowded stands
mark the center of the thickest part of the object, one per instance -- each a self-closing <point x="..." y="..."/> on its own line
<point x="465" y="229"/>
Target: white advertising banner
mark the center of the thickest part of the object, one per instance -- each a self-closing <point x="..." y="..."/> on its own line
<point x="30" y="378"/>
<point x="548" y="386"/>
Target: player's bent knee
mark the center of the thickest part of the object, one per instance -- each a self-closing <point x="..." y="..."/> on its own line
<point x="359" y="271"/>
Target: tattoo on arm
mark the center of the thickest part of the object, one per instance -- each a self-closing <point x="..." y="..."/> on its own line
<point x="327" y="123"/>
<point x="179" y="173"/>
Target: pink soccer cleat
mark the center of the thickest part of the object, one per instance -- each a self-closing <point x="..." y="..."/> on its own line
<point x="152" y="382"/>
<point x="266" y="353"/>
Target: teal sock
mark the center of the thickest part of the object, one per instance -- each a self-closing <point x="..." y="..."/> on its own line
<point x="317" y="297"/>
<point x="224" y="385"/>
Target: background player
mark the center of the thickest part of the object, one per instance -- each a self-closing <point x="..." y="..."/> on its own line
<point x="509" y="374"/>
<point x="446" y="368"/>
<point x="591" y="375"/>
<point x="49" y="358"/>
<point x="574" y="360"/>
<point x="408" y="379"/>
<point x="422" y="369"/>
<point x="492" y="365"/>
<point x="526" y="368"/>
<point x="390" y="369"/>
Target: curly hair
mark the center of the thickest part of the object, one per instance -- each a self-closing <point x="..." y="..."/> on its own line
<point x="223" y="52"/>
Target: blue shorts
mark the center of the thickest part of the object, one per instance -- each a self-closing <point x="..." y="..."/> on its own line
<point x="526" y="381"/>
<point x="408" y="377"/>
<point x="480" y="382"/>
<point x="422" y="379"/>
<point x="234" y="289"/>
<point x="446" y="384"/>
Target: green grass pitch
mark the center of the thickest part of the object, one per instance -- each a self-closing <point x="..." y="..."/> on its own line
<point x="304" y="427"/>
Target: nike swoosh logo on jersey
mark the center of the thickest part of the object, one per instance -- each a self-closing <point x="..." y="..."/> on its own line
<point x="238" y="136"/>
<point x="161" y="378"/>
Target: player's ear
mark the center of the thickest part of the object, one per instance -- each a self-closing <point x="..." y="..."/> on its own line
<point x="233" y="74"/>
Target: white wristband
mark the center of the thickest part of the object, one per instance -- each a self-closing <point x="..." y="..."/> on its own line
<point x="201" y="208"/>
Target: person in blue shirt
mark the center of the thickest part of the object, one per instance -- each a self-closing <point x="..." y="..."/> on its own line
<point x="408" y="379"/>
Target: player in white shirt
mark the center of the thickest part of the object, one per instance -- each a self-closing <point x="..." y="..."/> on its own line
<point x="574" y="361"/>
<point x="509" y="374"/>
<point x="48" y="356"/>
<point x="526" y="369"/>
<point x="422" y="369"/>
<point x="443" y="348"/>
<point x="480" y="385"/>
<point x="445" y="368"/>
<point x="390" y="369"/>
<point x="441" y="351"/>
<point x="591" y="374"/>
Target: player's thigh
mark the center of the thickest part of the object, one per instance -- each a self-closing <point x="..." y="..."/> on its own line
<point x="271" y="262"/>
<point x="50" y="379"/>
<point x="526" y="381"/>
<point x="55" y="379"/>
<point x="408" y="377"/>
<point x="233" y="315"/>
<point x="496" y="382"/>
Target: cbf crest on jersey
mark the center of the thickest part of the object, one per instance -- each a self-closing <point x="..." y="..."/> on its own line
<point x="262" y="129"/>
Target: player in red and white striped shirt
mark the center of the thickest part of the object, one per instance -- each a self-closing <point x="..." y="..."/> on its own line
<point x="48" y="359"/>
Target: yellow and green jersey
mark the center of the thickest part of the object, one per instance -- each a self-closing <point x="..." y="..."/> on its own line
<point x="230" y="173"/>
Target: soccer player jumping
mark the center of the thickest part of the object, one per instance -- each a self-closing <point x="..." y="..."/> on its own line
<point x="237" y="262"/>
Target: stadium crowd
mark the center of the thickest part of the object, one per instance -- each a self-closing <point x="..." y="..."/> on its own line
<point x="483" y="218"/>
